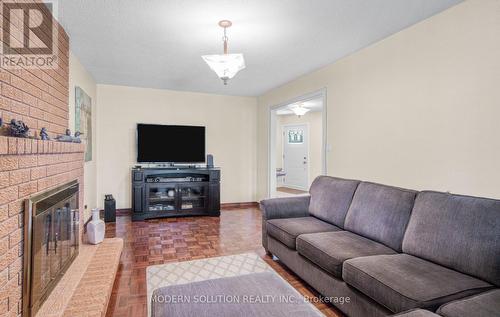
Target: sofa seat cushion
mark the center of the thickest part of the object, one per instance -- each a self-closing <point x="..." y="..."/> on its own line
<point x="288" y="229"/>
<point x="329" y="250"/>
<point x="402" y="282"/>
<point x="417" y="313"/>
<point x="482" y="305"/>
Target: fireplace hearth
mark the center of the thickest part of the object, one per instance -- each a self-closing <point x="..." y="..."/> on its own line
<point x="51" y="244"/>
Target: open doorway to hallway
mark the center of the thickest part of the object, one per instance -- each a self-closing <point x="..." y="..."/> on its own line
<point x="297" y="151"/>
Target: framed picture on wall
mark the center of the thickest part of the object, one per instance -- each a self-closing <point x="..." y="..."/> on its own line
<point x="83" y="119"/>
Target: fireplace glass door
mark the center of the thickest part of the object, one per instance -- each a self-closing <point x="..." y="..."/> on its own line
<point x="54" y="241"/>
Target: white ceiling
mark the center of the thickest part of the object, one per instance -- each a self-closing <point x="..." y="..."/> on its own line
<point x="158" y="43"/>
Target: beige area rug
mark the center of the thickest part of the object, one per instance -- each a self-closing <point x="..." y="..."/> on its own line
<point x="199" y="270"/>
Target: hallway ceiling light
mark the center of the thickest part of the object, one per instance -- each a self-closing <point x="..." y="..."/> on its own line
<point x="226" y="66"/>
<point x="299" y="109"/>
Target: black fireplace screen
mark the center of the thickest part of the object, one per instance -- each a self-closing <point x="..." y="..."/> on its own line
<point x="51" y="228"/>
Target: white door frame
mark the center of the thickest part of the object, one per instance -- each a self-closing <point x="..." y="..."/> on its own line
<point x="271" y="157"/>
<point x="306" y="124"/>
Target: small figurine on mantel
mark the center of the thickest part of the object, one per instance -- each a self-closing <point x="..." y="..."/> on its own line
<point x="66" y="137"/>
<point x="77" y="139"/>
<point x="19" y="129"/>
<point x="44" y="135"/>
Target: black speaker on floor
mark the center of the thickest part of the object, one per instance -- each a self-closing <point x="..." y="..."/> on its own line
<point x="210" y="161"/>
<point x="109" y="209"/>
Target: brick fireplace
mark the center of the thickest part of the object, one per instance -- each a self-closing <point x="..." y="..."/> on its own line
<point x="44" y="165"/>
<point x="40" y="98"/>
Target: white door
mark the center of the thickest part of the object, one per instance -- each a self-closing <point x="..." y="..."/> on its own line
<point x="296" y="156"/>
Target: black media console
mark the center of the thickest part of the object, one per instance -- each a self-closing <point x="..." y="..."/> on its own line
<point x="174" y="192"/>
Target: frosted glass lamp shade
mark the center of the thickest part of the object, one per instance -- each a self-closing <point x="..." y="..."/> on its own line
<point x="226" y="66"/>
<point x="300" y="110"/>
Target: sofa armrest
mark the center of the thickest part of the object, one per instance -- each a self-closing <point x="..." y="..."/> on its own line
<point x="286" y="207"/>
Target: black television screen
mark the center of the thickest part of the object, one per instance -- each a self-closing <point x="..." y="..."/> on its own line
<point x="170" y="143"/>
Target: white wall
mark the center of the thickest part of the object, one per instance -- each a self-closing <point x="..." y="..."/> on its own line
<point x="78" y="76"/>
<point x="231" y="135"/>
<point x="315" y="121"/>
<point x="419" y="109"/>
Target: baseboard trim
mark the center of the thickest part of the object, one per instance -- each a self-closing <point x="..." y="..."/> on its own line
<point x="252" y="204"/>
<point x="125" y="212"/>
<point x="119" y="212"/>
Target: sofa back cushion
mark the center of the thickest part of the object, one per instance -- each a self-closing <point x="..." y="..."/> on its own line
<point x="460" y="232"/>
<point x="330" y="198"/>
<point x="380" y="213"/>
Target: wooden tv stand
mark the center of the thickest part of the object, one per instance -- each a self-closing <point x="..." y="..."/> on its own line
<point x="175" y="192"/>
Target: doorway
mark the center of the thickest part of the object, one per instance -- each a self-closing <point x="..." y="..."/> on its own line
<point x="297" y="139"/>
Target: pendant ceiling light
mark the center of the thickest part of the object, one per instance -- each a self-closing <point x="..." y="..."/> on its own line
<point x="299" y="109"/>
<point x="226" y="66"/>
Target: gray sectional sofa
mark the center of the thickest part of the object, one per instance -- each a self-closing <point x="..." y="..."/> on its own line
<point x="388" y="249"/>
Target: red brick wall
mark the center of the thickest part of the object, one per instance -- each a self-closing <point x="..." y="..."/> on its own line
<point x="40" y="98"/>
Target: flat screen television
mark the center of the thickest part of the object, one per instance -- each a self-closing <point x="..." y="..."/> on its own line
<point x="170" y="144"/>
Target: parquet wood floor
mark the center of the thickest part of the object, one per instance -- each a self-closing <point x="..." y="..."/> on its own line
<point x="181" y="239"/>
<point x="289" y="190"/>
